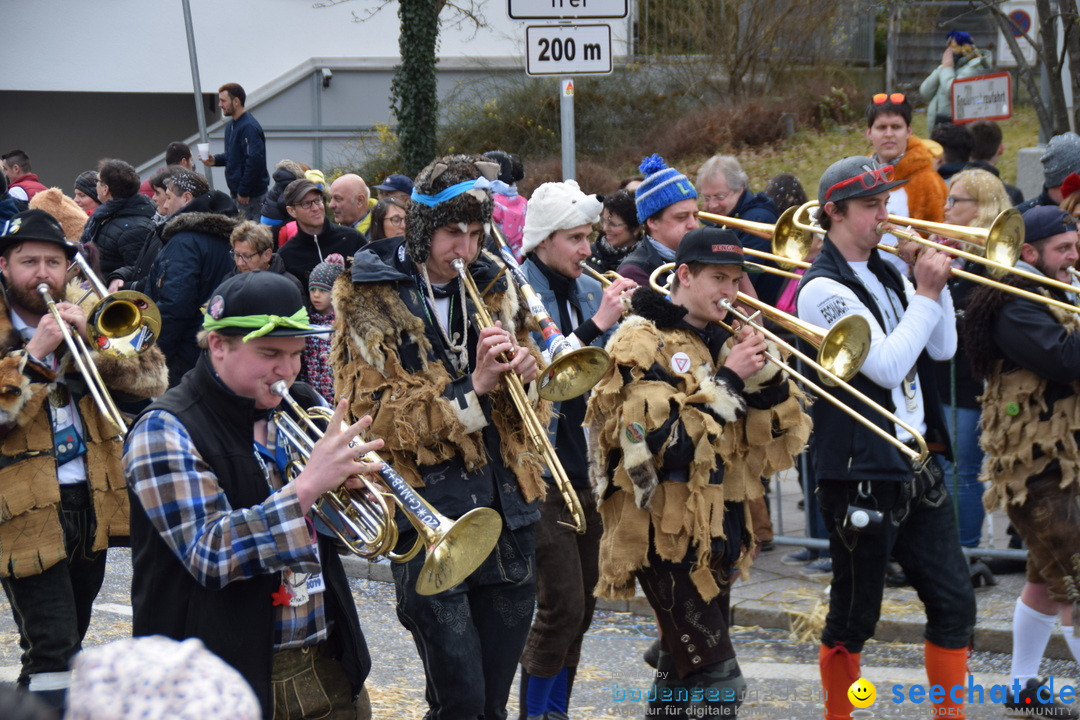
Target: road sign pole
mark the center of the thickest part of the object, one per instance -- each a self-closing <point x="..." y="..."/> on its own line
<point x="566" y="119"/>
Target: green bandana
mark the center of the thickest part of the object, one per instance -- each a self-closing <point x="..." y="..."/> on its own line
<point x="262" y="324"/>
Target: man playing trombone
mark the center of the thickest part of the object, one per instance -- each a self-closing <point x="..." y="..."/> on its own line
<point x="61" y="484"/>
<point x="875" y="505"/>
<point x="681" y="429"/>
<point x="223" y="543"/>
<point x="407" y="352"/>
<point x="556" y="242"/>
<point x="1028" y="354"/>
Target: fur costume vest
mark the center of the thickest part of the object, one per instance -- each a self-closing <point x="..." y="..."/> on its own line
<point x="31" y="536"/>
<point x="438" y="434"/>
<point x="664" y="383"/>
<point x="1027" y="425"/>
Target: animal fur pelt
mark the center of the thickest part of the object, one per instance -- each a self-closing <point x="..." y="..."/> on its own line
<point x="64" y="209"/>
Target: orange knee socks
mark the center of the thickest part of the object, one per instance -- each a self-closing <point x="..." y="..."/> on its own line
<point x="839" y="668"/>
<point x="947" y="667"/>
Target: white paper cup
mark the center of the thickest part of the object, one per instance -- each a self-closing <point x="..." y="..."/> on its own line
<point x="204" y="151"/>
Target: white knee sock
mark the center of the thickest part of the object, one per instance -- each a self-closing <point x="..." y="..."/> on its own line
<point x="1031" y="631"/>
<point x="1072" y="641"/>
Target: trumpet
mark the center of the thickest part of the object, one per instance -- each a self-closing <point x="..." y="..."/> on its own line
<point x="606" y="279"/>
<point x="999" y="243"/>
<point x="836" y="367"/>
<point x="364" y="519"/>
<point x="535" y="430"/>
<point x="570" y="371"/>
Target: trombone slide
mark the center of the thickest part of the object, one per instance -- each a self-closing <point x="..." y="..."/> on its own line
<point x="535" y="430"/>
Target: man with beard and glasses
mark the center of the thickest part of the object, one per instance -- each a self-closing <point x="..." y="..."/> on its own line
<point x="61" y="484"/>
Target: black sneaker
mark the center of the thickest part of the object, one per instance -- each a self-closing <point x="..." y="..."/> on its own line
<point x="1030" y="704"/>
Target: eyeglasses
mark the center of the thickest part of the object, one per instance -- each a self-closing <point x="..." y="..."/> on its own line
<point x="246" y="257"/>
<point x="869" y="179"/>
<point x="952" y="200"/>
<point x="308" y="204"/>
<point x="894" y="98"/>
<point x="396" y="221"/>
<point x="718" y="197"/>
<point x="608" y="222"/>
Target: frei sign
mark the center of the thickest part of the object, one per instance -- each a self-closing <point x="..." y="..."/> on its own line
<point x="567" y="9"/>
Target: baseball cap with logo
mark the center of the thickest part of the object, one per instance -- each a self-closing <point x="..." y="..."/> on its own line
<point x="710" y="245"/>
<point x="855" y="177"/>
<point x="257" y="304"/>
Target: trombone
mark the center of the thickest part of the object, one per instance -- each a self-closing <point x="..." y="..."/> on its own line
<point x="364" y="520"/>
<point x="832" y="368"/>
<point x="120" y="325"/>
<point x="999" y="243"/>
<point x="606" y="279"/>
<point x="790" y="241"/>
<point x="570" y="371"/>
<point x="84" y="362"/>
<point x="535" y="430"/>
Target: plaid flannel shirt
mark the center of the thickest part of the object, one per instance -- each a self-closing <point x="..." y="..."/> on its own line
<point x="216" y="543"/>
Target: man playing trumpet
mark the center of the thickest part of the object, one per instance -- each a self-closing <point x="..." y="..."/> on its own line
<point x="556" y="242"/>
<point x="681" y="429"/>
<point x="876" y="506"/>
<point x="223" y="544"/>
<point x="61" y="485"/>
<point x="406" y="352"/>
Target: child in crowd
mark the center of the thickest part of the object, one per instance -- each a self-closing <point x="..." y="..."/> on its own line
<point x="316" y="368"/>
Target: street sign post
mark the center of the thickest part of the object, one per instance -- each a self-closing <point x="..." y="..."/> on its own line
<point x="568" y="50"/>
<point x="567" y="9"/>
<point x="982" y="97"/>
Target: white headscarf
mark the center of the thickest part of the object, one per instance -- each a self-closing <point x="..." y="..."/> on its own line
<point x="557" y="206"/>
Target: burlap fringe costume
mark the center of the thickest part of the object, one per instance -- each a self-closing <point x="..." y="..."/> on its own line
<point x="1016" y="421"/>
<point x="752" y="443"/>
<point x="418" y="425"/>
<point x="31" y="537"/>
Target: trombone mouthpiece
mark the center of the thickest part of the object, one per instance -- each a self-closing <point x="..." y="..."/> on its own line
<point x="43" y="288"/>
<point x="458" y="264"/>
<point x="279" y="388"/>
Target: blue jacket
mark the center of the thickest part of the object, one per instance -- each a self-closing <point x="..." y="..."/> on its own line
<point x="587" y="298"/>
<point x="195" y="257"/>
<point x="244" y="158"/>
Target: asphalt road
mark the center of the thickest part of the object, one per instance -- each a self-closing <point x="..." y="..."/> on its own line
<point x="781" y="671"/>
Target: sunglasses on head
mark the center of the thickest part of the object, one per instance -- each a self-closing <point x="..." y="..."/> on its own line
<point x="894" y="98"/>
<point x="869" y="179"/>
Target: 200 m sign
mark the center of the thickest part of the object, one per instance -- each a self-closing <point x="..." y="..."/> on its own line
<point x="568" y="49"/>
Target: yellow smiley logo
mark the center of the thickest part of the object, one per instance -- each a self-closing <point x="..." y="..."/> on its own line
<point x="862" y="693"/>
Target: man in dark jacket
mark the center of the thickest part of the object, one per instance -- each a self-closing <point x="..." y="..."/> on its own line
<point x="245" y="152"/>
<point x="667" y="209"/>
<point x="223" y="544"/>
<point x="1062" y="157"/>
<point x="195" y="256"/>
<point x="725" y="190"/>
<point x="316" y="237"/>
<point x="862" y="476"/>
<point x="121" y="226"/>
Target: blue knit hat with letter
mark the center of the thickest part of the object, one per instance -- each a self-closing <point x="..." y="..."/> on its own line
<point x="662" y="186"/>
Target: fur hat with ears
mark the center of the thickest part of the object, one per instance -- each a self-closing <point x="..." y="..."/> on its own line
<point x="440" y="199"/>
<point x="60" y="206"/>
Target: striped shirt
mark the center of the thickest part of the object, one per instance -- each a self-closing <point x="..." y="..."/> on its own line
<point x="216" y="543"/>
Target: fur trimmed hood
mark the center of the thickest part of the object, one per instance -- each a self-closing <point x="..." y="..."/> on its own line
<point x="205" y="223"/>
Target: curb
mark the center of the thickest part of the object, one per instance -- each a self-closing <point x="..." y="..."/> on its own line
<point x="754" y="613"/>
